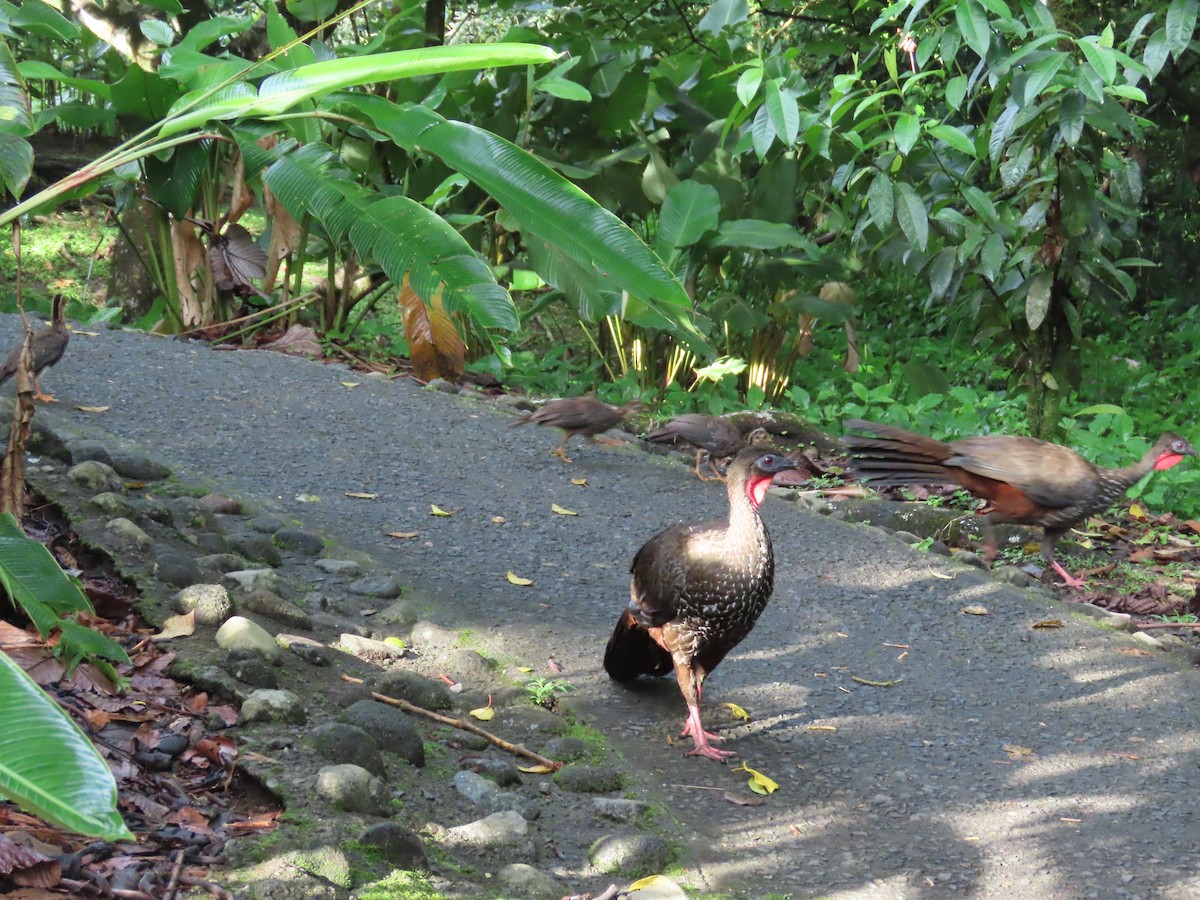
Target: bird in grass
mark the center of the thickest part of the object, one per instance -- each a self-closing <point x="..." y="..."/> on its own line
<point x="46" y="347"/>
<point x="1024" y="481"/>
<point x="697" y="591"/>
<point x="714" y="437"/>
<point x="584" y="416"/>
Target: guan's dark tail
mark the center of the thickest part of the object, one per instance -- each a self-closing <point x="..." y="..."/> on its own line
<point x="632" y="652"/>
<point x="894" y="456"/>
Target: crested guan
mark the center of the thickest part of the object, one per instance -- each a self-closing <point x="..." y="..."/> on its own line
<point x="714" y="437"/>
<point x="579" y="415"/>
<point x="696" y="592"/>
<point x="46" y="346"/>
<point x="1023" y="480"/>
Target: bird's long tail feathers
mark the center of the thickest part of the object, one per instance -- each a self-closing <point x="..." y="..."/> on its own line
<point x="521" y="420"/>
<point x="895" y="456"/>
<point x="631" y="652"/>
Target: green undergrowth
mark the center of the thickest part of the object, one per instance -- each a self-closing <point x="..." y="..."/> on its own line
<point x="400" y="885"/>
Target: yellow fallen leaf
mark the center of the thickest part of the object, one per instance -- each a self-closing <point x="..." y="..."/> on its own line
<point x="536" y="770"/>
<point x="349" y="384"/>
<point x="759" y="783"/>
<point x="1137" y="512"/>
<point x="976" y="611"/>
<point x="360" y="495"/>
<point x="395" y="642"/>
<point x="870" y="683"/>
<point x="435" y="510"/>
<point x="308" y="498"/>
<point x="514" y="578"/>
<point x="84" y="333"/>
<point x="499" y="520"/>
<point x="738" y="713"/>
<point x="1048" y="623"/>
<point x="563" y="511"/>
<point x="525" y="670"/>
<point x="484" y="713"/>
<point x="177" y="626"/>
<point x="1017" y="751"/>
<point x="402" y="535"/>
<point x="582" y="482"/>
<point x="820" y="727"/>
<point x="651" y="881"/>
<point x="93" y="409"/>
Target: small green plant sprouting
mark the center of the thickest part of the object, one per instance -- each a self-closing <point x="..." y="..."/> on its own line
<point x="923" y="544"/>
<point x="542" y="691"/>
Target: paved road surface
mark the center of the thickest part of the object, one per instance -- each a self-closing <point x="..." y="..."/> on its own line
<point x="1005" y="761"/>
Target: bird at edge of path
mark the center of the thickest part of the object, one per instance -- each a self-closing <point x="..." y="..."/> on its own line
<point x="585" y="416"/>
<point x="697" y="591"/>
<point x="714" y="437"/>
<point x="1024" y="481"/>
<point x="46" y="346"/>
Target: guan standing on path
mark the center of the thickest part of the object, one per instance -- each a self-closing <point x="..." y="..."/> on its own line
<point x="714" y="437"/>
<point x="579" y="415"/>
<point x="46" y="346"/>
<point x="1024" y="481"/>
<point x="696" y="592"/>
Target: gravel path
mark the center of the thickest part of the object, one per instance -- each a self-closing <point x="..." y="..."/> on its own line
<point x="1004" y="761"/>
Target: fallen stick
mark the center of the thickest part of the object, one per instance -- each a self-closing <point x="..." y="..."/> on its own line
<point x="1168" y="625"/>
<point x="461" y="725"/>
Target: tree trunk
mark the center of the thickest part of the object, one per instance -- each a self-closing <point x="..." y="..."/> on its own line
<point x="1053" y="367"/>
<point x="435" y="23"/>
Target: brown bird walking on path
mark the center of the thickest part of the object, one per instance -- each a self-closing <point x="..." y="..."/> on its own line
<point x="46" y="346"/>
<point x="579" y="415"/>
<point x="714" y="437"/>
<point x="696" y="592"/>
<point x="1024" y="481"/>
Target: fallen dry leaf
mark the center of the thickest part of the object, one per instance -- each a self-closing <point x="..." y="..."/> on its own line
<point x="499" y="520"/>
<point x="349" y="384"/>
<point x="308" y="498"/>
<point x="177" y="626"/>
<point x="976" y="610"/>
<point x="870" y="683"/>
<point x="582" y="482"/>
<point x="820" y="728"/>
<point x="652" y="881"/>
<point x="402" y="535"/>
<point x="730" y="797"/>
<point x="435" y="510"/>
<point x="514" y="578"/>
<point x="360" y="495"/>
<point x="759" y="783"/>
<point x="92" y="409"/>
<point x="562" y="511"/>
<point x="737" y="712"/>
<point x="536" y="770"/>
<point x="483" y="713"/>
<point x="1048" y="623"/>
<point x="1016" y="751"/>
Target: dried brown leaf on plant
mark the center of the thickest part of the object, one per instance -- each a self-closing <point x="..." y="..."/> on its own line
<point x="299" y="340"/>
<point x="435" y="347"/>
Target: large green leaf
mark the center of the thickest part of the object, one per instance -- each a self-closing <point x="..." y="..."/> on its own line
<point x="973" y="25"/>
<point x="282" y="91"/>
<point x="591" y="297"/>
<point x="690" y="210"/>
<point x="47" y="765"/>
<point x="1181" y="22"/>
<point x="546" y="205"/>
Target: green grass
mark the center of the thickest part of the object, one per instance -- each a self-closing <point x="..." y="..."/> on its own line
<point x="400" y="885"/>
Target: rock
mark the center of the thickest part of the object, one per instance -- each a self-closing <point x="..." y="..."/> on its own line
<point x="501" y="829"/>
<point x="122" y="533"/>
<point x="433" y="640"/>
<point x="268" y="603"/>
<point x="222" y="562"/>
<point x="632" y="854"/>
<point x="618" y="809"/>
<point x="266" y="705"/>
<point x="372" y="651"/>
<point x="216" y="682"/>
<point x="398" y="846"/>
<point x="112" y="504"/>
<point x="347" y="567"/>
<point x="342" y="743"/>
<point x="970" y="559"/>
<point x="209" y="602"/>
<point x="502" y="771"/>
<point x="534" y="721"/>
<point x="89" y="451"/>
<point x="523" y="882"/>
<point x="299" y="541"/>
<point x="176" y="567"/>
<point x="1013" y="576"/>
<point x="471" y="667"/>
<point x="353" y="789"/>
<point x="414" y="688"/>
<point x="312" y="652"/>
<point x="222" y="505"/>
<point x="257" y="548"/>
<point x="402" y="614"/>
<point x="322" y="873"/>
<point x="390" y="727"/>
<point x="250" y="668"/>
<point x="265" y="524"/>
<point x="240" y="633"/>
<point x="566" y="749"/>
<point x="479" y="790"/>
<point x="442" y="385"/>
<point x="190" y="514"/>
<point x="582" y="779"/>
<point x="254" y="579"/>
<point x="384" y="587"/>
<point x="138" y="466"/>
